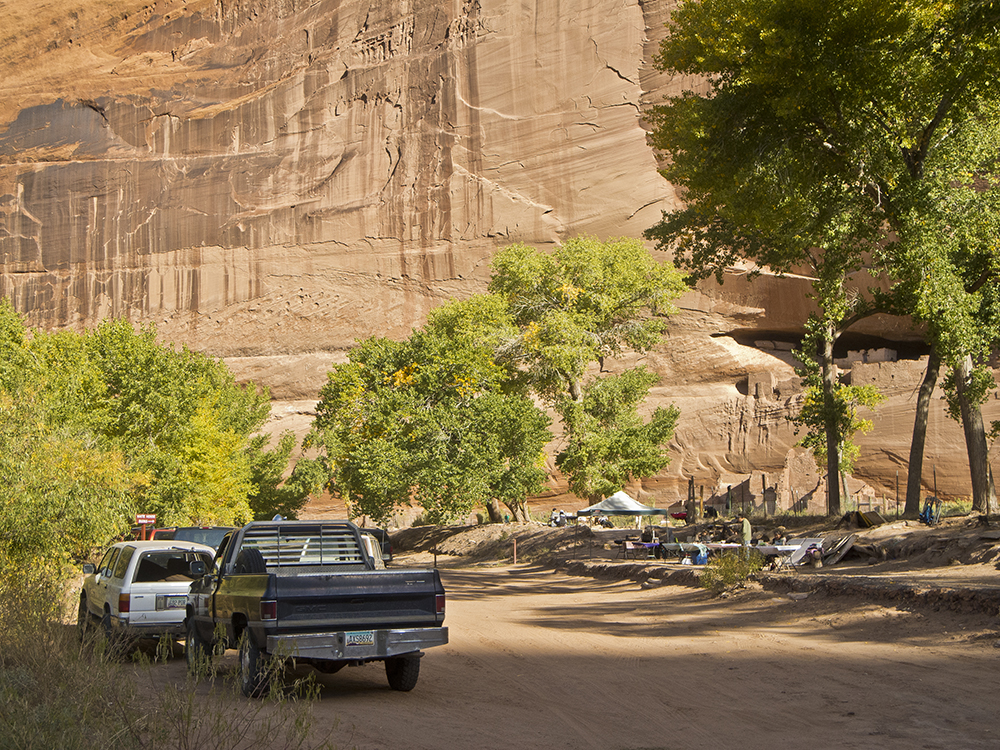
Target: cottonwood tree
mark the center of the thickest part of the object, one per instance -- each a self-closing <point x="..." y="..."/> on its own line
<point x="832" y="137"/>
<point x="585" y="302"/>
<point x="273" y="493"/>
<point x="445" y="418"/>
<point x="433" y="420"/>
<point x="181" y="421"/>
<point x="608" y="443"/>
<point x="101" y="425"/>
<point x="66" y="486"/>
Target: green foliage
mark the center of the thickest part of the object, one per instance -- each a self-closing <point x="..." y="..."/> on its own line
<point x="99" y="426"/>
<point x="586" y="301"/>
<point x="433" y="419"/>
<point x="841" y="137"/>
<point x="274" y="494"/>
<point x="445" y="419"/>
<point x="609" y="444"/>
<point x="731" y="569"/>
<point x="831" y="406"/>
<point x="846" y="401"/>
<point x="63" y="488"/>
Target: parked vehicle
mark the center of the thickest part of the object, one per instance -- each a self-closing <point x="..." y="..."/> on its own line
<point x="208" y="535"/>
<point x="140" y="587"/>
<point x="373" y="549"/>
<point x="383" y="539"/>
<point x="145" y="533"/>
<point x="310" y="590"/>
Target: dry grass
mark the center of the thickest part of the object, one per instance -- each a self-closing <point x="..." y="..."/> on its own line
<point x="59" y="692"/>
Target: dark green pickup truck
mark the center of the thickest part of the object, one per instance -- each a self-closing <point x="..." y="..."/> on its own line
<point x="310" y="590"/>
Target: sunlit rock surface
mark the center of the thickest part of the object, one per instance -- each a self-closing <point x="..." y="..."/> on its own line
<point x="269" y="180"/>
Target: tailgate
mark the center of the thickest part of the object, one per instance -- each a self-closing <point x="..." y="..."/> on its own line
<point x="358" y="600"/>
<point x="161" y="602"/>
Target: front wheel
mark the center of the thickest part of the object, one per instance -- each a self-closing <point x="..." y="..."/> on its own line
<point x="83" y="620"/>
<point x="253" y="668"/>
<point x="196" y="651"/>
<point x="402" y="672"/>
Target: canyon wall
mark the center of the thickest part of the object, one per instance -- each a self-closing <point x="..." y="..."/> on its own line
<point x="269" y="180"/>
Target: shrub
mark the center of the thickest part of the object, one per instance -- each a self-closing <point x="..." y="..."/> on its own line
<point x="959" y="506"/>
<point x="731" y="570"/>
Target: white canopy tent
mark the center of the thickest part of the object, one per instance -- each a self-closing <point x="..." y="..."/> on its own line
<point x="620" y="504"/>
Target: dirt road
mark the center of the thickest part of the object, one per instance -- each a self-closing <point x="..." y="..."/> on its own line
<point x="543" y="660"/>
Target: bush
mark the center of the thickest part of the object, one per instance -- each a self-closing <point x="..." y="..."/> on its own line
<point x="959" y="506"/>
<point x="731" y="570"/>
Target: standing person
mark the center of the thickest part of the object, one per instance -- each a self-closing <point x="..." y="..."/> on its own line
<point x="745" y="533"/>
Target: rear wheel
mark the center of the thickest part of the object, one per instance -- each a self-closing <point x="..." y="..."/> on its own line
<point x="253" y="668"/>
<point x="402" y="672"/>
<point x="196" y="651"/>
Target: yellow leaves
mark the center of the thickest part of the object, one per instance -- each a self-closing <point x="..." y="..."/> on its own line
<point x="532" y="334"/>
<point x="569" y="292"/>
<point x="466" y="387"/>
<point x="402" y="377"/>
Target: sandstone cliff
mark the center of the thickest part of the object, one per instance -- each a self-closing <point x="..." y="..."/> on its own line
<point x="268" y="180"/>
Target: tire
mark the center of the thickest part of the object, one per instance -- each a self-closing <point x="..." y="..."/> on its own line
<point x="196" y="652"/>
<point x="109" y="632"/>
<point x="250" y="562"/>
<point x="402" y="672"/>
<point x="84" y="623"/>
<point x="254" y="677"/>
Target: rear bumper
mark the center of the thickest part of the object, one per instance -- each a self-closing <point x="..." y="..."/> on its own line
<point x="148" y="629"/>
<point x="353" y="645"/>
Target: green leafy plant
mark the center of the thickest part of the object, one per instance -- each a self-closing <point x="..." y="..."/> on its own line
<point x="731" y="570"/>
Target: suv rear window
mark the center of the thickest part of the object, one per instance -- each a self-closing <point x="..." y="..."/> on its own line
<point x="168" y="565"/>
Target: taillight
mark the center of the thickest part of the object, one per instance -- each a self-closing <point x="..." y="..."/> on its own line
<point x="439" y="604"/>
<point x="269" y="610"/>
<point x="124" y="604"/>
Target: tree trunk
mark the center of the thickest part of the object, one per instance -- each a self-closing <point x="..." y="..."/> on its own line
<point x="984" y="496"/>
<point x="915" y="469"/>
<point x="832" y="433"/>
<point x="493" y="510"/>
<point x="518" y="510"/>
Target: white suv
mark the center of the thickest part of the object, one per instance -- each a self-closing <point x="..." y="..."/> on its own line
<point x="141" y="586"/>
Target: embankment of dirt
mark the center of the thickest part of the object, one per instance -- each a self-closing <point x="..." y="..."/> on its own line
<point x="950" y="567"/>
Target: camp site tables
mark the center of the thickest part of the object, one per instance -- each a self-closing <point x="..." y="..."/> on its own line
<point x="632" y="548"/>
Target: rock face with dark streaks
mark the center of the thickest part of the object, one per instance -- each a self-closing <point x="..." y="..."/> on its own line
<point x="269" y="180"/>
<point x="337" y="168"/>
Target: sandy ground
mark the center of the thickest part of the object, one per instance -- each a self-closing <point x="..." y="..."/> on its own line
<point x="539" y="659"/>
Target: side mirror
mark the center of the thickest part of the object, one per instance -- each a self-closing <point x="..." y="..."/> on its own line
<point x="89" y="569"/>
<point x="198" y="569"/>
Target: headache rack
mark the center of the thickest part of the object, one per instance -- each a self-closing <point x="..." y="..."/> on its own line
<point x="305" y="545"/>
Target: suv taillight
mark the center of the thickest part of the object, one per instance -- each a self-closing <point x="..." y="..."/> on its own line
<point x="269" y="610"/>
<point x="439" y="604"/>
<point x="124" y="604"/>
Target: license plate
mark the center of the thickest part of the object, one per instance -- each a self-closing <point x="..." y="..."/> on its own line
<point x="360" y="638"/>
<point x="175" y="602"/>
